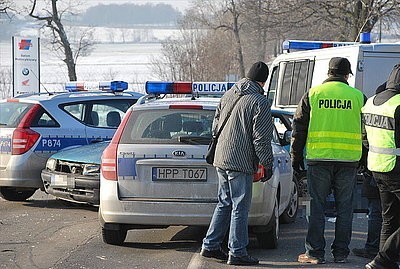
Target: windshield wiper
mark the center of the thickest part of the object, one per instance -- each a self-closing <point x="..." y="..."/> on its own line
<point x="196" y="140"/>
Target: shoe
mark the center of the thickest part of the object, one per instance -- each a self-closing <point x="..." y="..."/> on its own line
<point x="305" y="258"/>
<point x="243" y="260"/>
<point x="216" y="254"/>
<point x="374" y="265"/>
<point x="365" y="253"/>
<point x="340" y="259"/>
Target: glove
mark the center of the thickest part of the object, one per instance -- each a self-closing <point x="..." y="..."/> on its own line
<point x="267" y="174"/>
<point x="298" y="165"/>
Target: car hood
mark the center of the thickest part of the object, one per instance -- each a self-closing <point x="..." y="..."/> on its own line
<point x="84" y="154"/>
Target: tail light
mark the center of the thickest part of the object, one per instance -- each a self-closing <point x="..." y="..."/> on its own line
<point x="24" y="138"/>
<point x="109" y="156"/>
<point x="260" y="173"/>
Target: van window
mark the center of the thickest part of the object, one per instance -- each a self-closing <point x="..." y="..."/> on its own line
<point x="296" y="80"/>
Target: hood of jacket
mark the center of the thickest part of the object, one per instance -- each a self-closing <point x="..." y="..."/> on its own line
<point x="393" y="81"/>
<point x="246" y="86"/>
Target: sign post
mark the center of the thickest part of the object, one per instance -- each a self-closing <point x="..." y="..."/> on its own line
<point x="26" y="65"/>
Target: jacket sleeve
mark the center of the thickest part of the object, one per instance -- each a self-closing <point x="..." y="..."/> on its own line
<point x="216" y="119"/>
<point x="262" y="134"/>
<point x="300" y="124"/>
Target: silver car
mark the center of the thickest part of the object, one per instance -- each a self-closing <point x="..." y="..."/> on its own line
<point x="35" y="126"/>
<point x="154" y="174"/>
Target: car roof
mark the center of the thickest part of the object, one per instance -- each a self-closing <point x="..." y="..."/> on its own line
<point x="205" y="102"/>
<point x="78" y="96"/>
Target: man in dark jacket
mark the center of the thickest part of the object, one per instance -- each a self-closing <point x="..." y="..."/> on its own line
<point x="327" y="123"/>
<point x="381" y="116"/>
<point x="244" y="142"/>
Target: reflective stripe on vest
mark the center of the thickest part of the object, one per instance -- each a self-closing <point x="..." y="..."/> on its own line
<point x="380" y="126"/>
<point x="334" y="131"/>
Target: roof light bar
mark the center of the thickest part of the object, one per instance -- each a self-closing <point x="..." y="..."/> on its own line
<point x="108" y="86"/>
<point x="311" y="45"/>
<point x="157" y="87"/>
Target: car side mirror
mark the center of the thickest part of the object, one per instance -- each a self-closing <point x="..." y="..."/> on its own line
<point x="287" y="136"/>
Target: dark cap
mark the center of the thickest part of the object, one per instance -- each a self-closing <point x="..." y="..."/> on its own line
<point x="258" y="72"/>
<point x="340" y="66"/>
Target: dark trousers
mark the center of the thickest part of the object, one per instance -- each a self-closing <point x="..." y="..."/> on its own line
<point x="389" y="247"/>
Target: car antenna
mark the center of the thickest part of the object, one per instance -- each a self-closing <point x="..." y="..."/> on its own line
<point x="44" y="87"/>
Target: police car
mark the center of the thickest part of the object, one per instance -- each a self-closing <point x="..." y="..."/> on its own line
<point x="154" y="173"/>
<point x="32" y="127"/>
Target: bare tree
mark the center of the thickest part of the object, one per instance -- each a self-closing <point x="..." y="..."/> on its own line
<point x="351" y="17"/>
<point x="53" y="20"/>
<point x="5" y="6"/>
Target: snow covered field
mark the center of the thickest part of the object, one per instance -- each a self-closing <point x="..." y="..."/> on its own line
<point x="108" y="61"/>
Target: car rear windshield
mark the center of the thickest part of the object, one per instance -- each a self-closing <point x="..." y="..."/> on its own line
<point x="169" y="126"/>
<point x="11" y="113"/>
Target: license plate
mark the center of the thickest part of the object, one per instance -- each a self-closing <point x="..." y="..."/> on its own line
<point x="179" y="174"/>
<point x="62" y="181"/>
<point x="59" y="180"/>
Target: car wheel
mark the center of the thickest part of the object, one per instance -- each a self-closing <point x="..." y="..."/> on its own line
<point x="16" y="194"/>
<point x="114" y="237"/>
<point x="290" y="213"/>
<point x="269" y="239"/>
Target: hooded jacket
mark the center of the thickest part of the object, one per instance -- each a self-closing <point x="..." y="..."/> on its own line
<point x="245" y="141"/>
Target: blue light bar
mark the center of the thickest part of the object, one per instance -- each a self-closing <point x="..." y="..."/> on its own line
<point x="113" y="86"/>
<point x="74" y="86"/>
<point x="109" y="86"/>
<point x="311" y="45"/>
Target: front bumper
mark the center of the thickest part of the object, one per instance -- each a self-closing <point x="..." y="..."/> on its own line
<point x="78" y="188"/>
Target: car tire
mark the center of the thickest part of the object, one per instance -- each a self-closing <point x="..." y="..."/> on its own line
<point x="269" y="239"/>
<point x="290" y="213"/>
<point x="114" y="237"/>
<point x="16" y="194"/>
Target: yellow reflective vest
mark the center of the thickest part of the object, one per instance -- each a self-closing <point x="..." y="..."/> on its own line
<point x="380" y="126"/>
<point x="334" y="131"/>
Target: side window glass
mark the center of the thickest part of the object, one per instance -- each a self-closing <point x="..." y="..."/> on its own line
<point x="75" y="110"/>
<point x="297" y="77"/>
<point x="107" y="113"/>
<point x="43" y="119"/>
<point x="273" y="84"/>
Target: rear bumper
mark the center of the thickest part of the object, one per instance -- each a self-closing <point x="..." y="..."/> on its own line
<point x="23" y="170"/>
<point x="168" y="212"/>
<point x="82" y="189"/>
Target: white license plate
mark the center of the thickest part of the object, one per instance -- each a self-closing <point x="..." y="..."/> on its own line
<point x="180" y="174"/>
<point x="59" y="180"/>
<point x="62" y="181"/>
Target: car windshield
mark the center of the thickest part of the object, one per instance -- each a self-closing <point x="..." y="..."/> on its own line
<point x="11" y="113"/>
<point x="169" y="126"/>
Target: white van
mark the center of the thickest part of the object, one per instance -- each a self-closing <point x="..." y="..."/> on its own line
<point x="293" y="73"/>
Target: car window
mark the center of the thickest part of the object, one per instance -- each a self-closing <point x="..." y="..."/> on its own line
<point x="43" y="119"/>
<point x="168" y="126"/>
<point x="99" y="113"/>
<point x="11" y="113"/>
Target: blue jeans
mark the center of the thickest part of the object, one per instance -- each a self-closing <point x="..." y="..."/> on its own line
<point x="374" y="224"/>
<point x="321" y="178"/>
<point x="231" y="212"/>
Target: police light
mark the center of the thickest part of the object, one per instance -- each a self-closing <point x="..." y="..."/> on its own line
<point x="204" y="88"/>
<point x="311" y="45"/>
<point x="113" y="86"/>
<point x="74" y="86"/>
<point x="108" y="86"/>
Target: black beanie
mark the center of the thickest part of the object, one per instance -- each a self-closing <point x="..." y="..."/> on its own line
<point x="258" y="72"/>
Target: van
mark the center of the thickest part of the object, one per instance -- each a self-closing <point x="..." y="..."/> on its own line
<point x="293" y="73"/>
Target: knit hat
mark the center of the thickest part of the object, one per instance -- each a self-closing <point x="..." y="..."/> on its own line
<point x="340" y="66"/>
<point x="258" y="72"/>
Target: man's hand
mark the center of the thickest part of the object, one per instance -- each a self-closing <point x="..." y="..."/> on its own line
<point x="298" y="165"/>
<point x="267" y="174"/>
